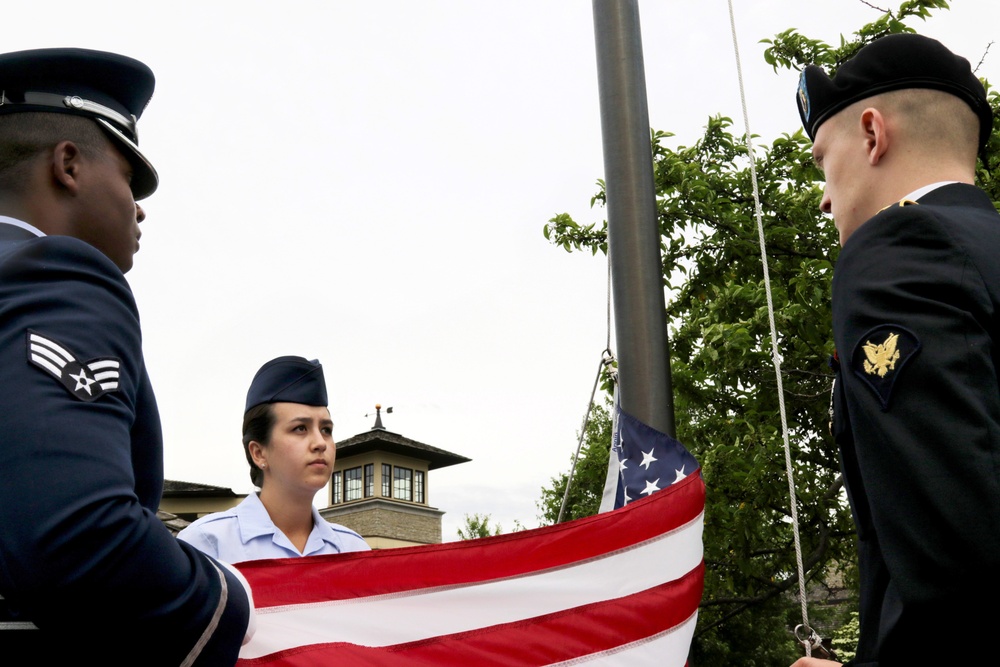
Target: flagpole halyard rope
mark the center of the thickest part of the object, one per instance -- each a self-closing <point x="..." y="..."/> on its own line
<point x="607" y="358"/>
<point x="775" y="353"/>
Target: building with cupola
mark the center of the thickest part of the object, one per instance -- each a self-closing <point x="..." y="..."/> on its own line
<point x="381" y="487"/>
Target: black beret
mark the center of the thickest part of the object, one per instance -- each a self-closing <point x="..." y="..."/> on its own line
<point x="288" y="380"/>
<point x="112" y="89"/>
<point x="893" y="62"/>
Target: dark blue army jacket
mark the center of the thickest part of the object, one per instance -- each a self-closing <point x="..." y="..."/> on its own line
<point x="82" y="553"/>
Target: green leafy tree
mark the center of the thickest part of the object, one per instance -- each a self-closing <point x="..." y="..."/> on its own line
<point x="478" y="525"/>
<point x="725" y="391"/>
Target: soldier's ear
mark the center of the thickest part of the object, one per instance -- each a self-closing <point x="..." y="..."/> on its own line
<point x="65" y="166"/>
<point x="257" y="454"/>
<point x="875" y="129"/>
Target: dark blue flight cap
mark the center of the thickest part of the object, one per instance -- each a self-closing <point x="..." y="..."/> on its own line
<point x="288" y="380"/>
<point x="112" y="89"/>
<point x="893" y="62"/>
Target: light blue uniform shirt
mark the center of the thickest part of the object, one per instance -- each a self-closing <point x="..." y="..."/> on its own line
<point x="246" y="532"/>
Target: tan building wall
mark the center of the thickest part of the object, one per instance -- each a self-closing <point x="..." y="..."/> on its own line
<point x="387" y="523"/>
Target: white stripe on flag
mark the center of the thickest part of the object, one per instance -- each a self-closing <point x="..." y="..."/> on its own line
<point x="408" y="617"/>
<point x="667" y="648"/>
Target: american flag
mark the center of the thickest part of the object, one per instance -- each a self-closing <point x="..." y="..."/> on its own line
<point x="642" y="460"/>
<point x="621" y="587"/>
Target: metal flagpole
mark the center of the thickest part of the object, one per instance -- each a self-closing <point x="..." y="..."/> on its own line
<point x="633" y="231"/>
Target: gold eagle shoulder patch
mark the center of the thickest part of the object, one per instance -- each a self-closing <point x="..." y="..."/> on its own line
<point x="879" y="357"/>
<point x="882" y="357"/>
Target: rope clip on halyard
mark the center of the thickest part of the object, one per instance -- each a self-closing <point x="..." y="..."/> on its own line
<point x="813" y="643"/>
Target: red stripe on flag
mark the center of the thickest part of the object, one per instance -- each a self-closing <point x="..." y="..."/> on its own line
<point x="534" y="642"/>
<point x="346" y="576"/>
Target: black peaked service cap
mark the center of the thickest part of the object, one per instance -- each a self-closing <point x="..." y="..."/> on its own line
<point x="288" y="380"/>
<point x="107" y="87"/>
<point x="893" y="62"/>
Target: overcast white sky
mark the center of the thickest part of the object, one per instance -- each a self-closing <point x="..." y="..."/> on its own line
<point x="366" y="183"/>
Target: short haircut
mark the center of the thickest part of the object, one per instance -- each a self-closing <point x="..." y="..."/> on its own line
<point x="939" y="120"/>
<point x="26" y="134"/>
<point x="258" y="422"/>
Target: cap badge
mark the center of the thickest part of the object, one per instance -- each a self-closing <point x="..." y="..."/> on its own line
<point x="879" y="358"/>
<point x="86" y="381"/>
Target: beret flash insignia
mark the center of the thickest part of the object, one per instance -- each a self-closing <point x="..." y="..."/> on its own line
<point x="879" y="358"/>
<point x="86" y="381"/>
<point x="804" y="97"/>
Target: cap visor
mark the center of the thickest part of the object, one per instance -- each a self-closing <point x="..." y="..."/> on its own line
<point x="145" y="180"/>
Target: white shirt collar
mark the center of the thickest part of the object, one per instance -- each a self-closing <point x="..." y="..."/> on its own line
<point x="5" y="220"/>
<point x="254" y="522"/>
<point x="920" y="192"/>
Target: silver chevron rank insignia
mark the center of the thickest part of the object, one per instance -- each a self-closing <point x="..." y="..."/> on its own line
<point x="87" y="381"/>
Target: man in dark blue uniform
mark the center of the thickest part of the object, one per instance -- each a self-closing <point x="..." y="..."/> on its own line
<point x="83" y="555"/>
<point x="916" y="321"/>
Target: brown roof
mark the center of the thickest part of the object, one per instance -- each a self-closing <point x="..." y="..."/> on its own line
<point x="176" y="489"/>
<point x="174" y="523"/>
<point x="387" y="441"/>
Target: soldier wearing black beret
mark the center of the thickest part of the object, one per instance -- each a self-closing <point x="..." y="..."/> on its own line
<point x="87" y="570"/>
<point x="916" y="321"/>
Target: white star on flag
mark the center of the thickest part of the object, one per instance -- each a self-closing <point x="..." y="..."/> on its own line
<point x="650" y="487"/>
<point x="647" y="459"/>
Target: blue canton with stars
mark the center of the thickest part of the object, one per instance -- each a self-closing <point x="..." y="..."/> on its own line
<point x="648" y="460"/>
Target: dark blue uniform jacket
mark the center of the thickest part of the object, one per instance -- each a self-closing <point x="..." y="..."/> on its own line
<point x="916" y="318"/>
<point x="82" y="553"/>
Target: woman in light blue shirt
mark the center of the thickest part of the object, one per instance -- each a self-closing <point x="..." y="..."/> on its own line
<point x="288" y="442"/>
